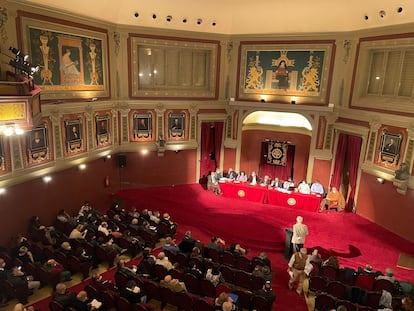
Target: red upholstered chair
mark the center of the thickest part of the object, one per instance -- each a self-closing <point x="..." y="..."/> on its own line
<point x="329" y="272"/>
<point x="207" y="288"/>
<point x="108" y="300"/>
<point x="21" y="292"/>
<point x="203" y="305"/>
<point x="153" y="290"/>
<point x="121" y="279"/>
<point x="243" y="263"/>
<point x="324" y="302"/>
<point x="182" y="259"/>
<point x="192" y="283"/>
<point x="244" y="299"/>
<point x="75" y="265"/>
<point x="56" y="306"/>
<point x="365" y="308"/>
<point x="336" y="289"/>
<point x="383" y="284"/>
<point x="373" y="299"/>
<point x="138" y="307"/>
<point x="184" y="301"/>
<point x="167" y="297"/>
<point x="170" y="255"/>
<point x="222" y="288"/>
<point x="227" y="273"/>
<point x="260" y="303"/>
<point x="228" y="259"/>
<point x="123" y="304"/>
<point x="104" y="256"/>
<point x="349" y="305"/>
<point x="91" y="291"/>
<point x="242" y="279"/>
<point x="317" y="284"/>
<point x="214" y="254"/>
<point x="160" y="272"/>
<point x="256" y="282"/>
<point x="364" y="281"/>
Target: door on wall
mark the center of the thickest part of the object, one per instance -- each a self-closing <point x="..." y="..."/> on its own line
<point x="211" y="140"/>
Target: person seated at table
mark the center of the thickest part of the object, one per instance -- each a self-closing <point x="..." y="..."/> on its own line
<point x="212" y="183"/>
<point x="265" y="181"/>
<point x="289" y="184"/>
<point x="231" y="174"/>
<point x="219" y="174"/>
<point x="303" y="187"/>
<point x="253" y="179"/>
<point x="317" y="187"/>
<point x="242" y="177"/>
<point x="276" y="183"/>
<point x="334" y="199"/>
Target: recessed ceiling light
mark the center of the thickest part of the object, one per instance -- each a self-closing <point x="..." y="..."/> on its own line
<point x="213" y="23"/>
<point x="185" y="20"/>
<point x="154" y="16"/>
<point x="400" y="9"/>
<point x="136" y="14"/>
<point x="199" y="21"/>
<point x="169" y="18"/>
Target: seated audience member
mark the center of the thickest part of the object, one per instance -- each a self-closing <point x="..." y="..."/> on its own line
<point x="385" y="303"/>
<point x="147" y="258"/>
<point x="78" y="232"/>
<point x="196" y="253"/>
<point x="155" y="217"/>
<point x="136" y="245"/>
<point x="315" y="257"/>
<point x="80" y="302"/>
<point x="170" y="246"/>
<point x="145" y="215"/>
<point x="66" y="248"/>
<point x="242" y="177"/>
<point x="289" y="184"/>
<point x="257" y="271"/>
<point x="25" y="255"/>
<point x="173" y="284"/>
<point x="101" y="285"/>
<point x="263" y="258"/>
<point x="231" y="174"/>
<point x="110" y="245"/>
<point x="130" y="271"/>
<point x="276" y="183"/>
<point x="266" y="292"/>
<point x="103" y="227"/>
<point x="3" y="277"/>
<point x="317" y="187"/>
<point x="266" y="181"/>
<point x="334" y="199"/>
<point x="368" y="270"/>
<point x="63" y="216"/>
<point x="224" y="300"/>
<point x="167" y="220"/>
<point x="19" y="279"/>
<point x="216" y="243"/>
<point x="133" y="293"/>
<point x="341" y="308"/>
<point x="135" y="225"/>
<point x="267" y="273"/>
<point x="62" y="296"/>
<point x="303" y="187"/>
<point x="237" y="250"/>
<point x="21" y="307"/>
<point x="219" y="174"/>
<point x="213" y="183"/>
<point x="164" y="261"/>
<point x="228" y="306"/>
<point x="52" y="266"/>
<point x="187" y="243"/>
<point x="213" y="274"/>
<point x="408" y="303"/>
<point x="389" y="275"/>
<point x="253" y="179"/>
<point x="332" y="262"/>
<point x="133" y="213"/>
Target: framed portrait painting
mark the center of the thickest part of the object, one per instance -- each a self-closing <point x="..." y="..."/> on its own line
<point x="390" y="147"/>
<point x="292" y="72"/>
<point x="103" y="131"/>
<point x="176" y="126"/>
<point x="72" y="58"/>
<point x="142" y="126"/>
<point x="37" y="144"/>
<point x="74" y="135"/>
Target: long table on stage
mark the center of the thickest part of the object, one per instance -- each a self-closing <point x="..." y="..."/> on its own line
<point x="266" y="195"/>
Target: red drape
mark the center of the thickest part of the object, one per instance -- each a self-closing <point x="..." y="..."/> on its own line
<point x="339" y="161"/>
<point x="353" y="153"/>
<point x="211" y="140"/>
<point x="282" y="172"/>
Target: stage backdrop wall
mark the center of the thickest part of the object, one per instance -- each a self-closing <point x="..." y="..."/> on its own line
<point x="251" y="150"/>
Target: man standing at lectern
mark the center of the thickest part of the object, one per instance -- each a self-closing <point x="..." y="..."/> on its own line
<point x="300" y="231"/>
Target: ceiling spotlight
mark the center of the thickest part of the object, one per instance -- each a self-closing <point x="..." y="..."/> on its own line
<point x="213" y="23"/>
<point x="2" y="190"/>
<point x="136" y="14"/>
<point x="168" y="18"/>
<point x="399" y="9"/>
<point x="185" y="20"/>
<point x="366" y="17"/>
<point x="154" y="16"/>
<point x="380" y="180"/>
<point x="47" y="179"/>
<point x="199" y="21"/>
<point x="382" y="13"/>
<point x="82" y="166"/>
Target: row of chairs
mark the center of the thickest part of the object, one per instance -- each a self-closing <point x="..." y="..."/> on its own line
<point x="327" y="302"/>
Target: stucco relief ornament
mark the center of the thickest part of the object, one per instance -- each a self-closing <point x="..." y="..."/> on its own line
<point x="3" y="20"/>
<point x="347" y="48"/>
<point x="402" y="175"/>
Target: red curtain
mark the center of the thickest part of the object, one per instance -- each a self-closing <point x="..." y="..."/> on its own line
<point x="282" y="172"/>
<point x="339" y="162"/>
<point x="348" y="150"/>
<point x="353" y="152"/>
<point x="211" y="140"/>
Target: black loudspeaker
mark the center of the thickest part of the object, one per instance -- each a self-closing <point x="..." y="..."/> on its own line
<point x="122" y="162"/>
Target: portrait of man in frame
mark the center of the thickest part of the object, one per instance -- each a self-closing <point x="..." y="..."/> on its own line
<point x="176" y="125"/>
<point x="142" y="126"/>
<point x="74" y="135"/>
<point x="390" y="147"/>
<point x="102" y="130"/>
<point x="37" y="145"/>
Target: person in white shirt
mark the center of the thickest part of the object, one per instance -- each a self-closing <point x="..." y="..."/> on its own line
<point x="253" y="179"/>
<point x="303" y="187"/>
<point x="289" y="183"/>
<point x="300" y="231"/>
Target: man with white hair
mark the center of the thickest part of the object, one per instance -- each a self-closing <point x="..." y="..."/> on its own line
<point x="296" y="269"/>
<point x="300" y="231"/>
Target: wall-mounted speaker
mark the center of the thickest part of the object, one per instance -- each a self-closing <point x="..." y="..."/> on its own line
<point x="122" y="161"/>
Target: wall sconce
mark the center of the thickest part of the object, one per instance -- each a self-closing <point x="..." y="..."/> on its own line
<point x="380" y="180"/>
<point x="2" y="191"/>
<point x="144" y="151"/>
<point x="10" y="129"/>
<point x="177" y="151"/>
<point x="82" y="167"/>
